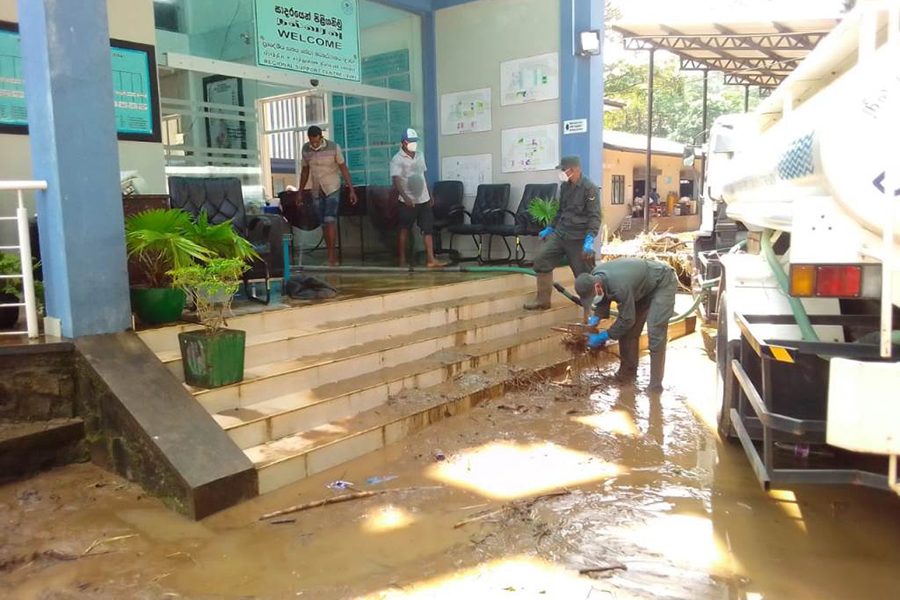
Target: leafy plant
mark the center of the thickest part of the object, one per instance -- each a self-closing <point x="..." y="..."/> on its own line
<point x="159" y="239"/>
<point x="543" y="211"/>
<point x="11" y="264"/>
<point x="211" y="287"/>
<point x="222" y="240"/>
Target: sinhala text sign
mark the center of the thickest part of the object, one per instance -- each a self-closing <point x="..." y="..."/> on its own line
<point x="318" y="37"/>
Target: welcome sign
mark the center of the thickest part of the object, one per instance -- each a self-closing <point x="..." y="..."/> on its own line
<point x="318" y="37"/>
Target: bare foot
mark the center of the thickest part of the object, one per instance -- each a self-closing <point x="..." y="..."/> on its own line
<point x="333" y="263"/>
<point x="435" y="264"/>
<point x="402" y="265"/>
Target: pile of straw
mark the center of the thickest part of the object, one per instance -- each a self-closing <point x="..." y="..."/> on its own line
<point x="667" y="248"/>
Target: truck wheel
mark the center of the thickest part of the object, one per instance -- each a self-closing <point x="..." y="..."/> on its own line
<point x="725" y="351"/>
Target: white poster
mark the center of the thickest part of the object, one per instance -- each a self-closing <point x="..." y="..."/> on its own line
<point x="529" y="79"/>
<point x="471" y="170"/>
<point x="466" y="112"/>
<point x="530" y="148"/>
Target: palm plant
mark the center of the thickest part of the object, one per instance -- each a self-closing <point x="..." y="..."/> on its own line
<point x="158" y="239"/>
<point x="221" y="240"/>
<point x="543" y="211"/>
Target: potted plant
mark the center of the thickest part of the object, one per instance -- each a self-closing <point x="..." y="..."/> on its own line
<point x="221" y="240"/>
<point x="11" y="289"/>
<point x="158" y="240"/>
<point x="213" y="356"/>
<point x="543" y="211"/>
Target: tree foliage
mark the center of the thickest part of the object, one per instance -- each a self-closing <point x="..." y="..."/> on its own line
<point x="677" y="100"/>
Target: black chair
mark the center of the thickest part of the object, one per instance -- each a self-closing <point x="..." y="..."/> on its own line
<point x="523" y="224"/>
<point x="448" y="211"/>
<point x="489" y="209"/>
<point x="221" y="199"/>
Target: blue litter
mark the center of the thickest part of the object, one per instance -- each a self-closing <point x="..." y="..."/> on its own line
<point x="380" y="479"/>
<point x="340" y="485"/>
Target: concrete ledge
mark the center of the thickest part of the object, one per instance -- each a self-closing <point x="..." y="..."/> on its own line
<point x="141" y="423"/>
<point x="28" y="447"/>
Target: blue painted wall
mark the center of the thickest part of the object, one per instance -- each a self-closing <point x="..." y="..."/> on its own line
<point x="581" y="84"/>
<point x="68" y="73"/>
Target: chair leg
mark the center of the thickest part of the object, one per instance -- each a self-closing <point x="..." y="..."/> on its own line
<point x="479" y="241"/>
<point x="519" y="246"/>
<point x="508" y="250"/>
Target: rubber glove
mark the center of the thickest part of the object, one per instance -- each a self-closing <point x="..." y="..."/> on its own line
<point x="588" y="247"/>
<point x="546" y="232"/>
<point x="595" y="340"/>
<point x="594" y="321"/>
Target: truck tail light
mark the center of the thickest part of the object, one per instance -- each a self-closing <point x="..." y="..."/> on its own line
<point x="836" y="281"/>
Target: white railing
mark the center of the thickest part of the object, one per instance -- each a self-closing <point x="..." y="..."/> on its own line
<point x="24" y="248"/>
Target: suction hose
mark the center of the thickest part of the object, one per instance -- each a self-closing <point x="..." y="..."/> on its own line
<point x="806" y="328"/>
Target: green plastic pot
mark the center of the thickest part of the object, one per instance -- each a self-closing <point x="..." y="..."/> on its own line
<point x="158" y="305"/>
<point x="212" y="360"/>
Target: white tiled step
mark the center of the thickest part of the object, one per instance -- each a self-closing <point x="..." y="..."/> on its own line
<point x="278" y="379"/>
<point x="319" y="338"/>
<point x="306" y="453"/>
<point x="165" y="339"/>
<point x="298" y="456"/>
<point x="285" y="415"/>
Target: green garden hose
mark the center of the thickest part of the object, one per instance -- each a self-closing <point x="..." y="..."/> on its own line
<point x="806" y="328"/>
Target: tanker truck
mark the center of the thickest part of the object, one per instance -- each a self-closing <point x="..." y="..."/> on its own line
<point x="801" y="219"/>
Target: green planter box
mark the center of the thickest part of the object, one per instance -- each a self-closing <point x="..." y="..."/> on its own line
<point x="211" y="361"/>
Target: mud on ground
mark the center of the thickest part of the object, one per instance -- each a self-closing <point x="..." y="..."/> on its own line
<point x="585" y="490"/>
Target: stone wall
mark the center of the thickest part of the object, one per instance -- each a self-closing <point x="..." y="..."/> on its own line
<point x="37" y="383"/>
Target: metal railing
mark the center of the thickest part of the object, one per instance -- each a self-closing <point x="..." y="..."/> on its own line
<point x="24" y="248"/>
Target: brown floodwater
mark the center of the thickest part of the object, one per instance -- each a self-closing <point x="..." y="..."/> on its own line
<point x="645" y="495"/>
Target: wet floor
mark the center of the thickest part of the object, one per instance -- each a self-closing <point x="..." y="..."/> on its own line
<point x="582" y="491"/>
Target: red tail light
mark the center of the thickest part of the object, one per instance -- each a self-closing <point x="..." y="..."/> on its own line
<point x="838" y="281"/>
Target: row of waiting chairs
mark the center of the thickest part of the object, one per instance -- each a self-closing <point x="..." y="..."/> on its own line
<point x="487" y="218"/>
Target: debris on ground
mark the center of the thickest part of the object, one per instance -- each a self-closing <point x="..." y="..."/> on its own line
<point x="107" y="541"/>
<point x="517" y="506"/>
<point x="339" y="499"/>
<point x="375" y="480"/>
<point x="663" y="247"/>
<point x="340" y="484"/>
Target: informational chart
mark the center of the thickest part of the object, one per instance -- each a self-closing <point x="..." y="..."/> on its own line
<point x="530" y="148"/>
<point x="531" y="79"/>
<point x="472" y="170"/>
<point x="466" y="112"/>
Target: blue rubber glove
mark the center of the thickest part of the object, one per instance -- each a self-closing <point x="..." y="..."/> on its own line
<point x="594" y="320"/>
<point x="546" y="232"/>
<point x="588" y="244"/>
<point x="595" y="340"/>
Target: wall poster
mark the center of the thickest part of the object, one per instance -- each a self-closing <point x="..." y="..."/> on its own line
<point x="317" y="37"/>
<point x="472" y="170"/>
<point x="530" y="148"/>
<point x="531" y="79"/>
<point x="466" y="112"/>
<point x="135" y="87"/>
<point x="225" y="132"/>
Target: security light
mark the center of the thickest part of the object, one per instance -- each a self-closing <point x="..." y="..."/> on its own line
<point x="590" y="43"/>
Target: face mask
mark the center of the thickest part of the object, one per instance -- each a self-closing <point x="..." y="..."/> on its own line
<point x="412" y="146"/>
<point x="563" y="177"/>
<point x="598" y="300"/>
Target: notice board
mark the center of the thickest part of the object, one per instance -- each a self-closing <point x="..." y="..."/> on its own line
<point x="472" y="170"/>
<point x="317" y="37"/>
<point x="135" y="87"/>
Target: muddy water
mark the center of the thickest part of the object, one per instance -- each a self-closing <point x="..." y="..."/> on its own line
<point x="655" y="505"/>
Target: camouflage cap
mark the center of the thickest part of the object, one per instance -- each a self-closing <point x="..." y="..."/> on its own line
<point x="569" y="162"/>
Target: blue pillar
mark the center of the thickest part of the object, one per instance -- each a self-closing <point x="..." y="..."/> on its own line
<point x="68" y="78"/>
<point x="581" y="84"/>
<point x="430" y="100"/>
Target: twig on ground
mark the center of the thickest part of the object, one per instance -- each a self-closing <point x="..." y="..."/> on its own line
<point x="174" y="554"/>
<point x="96" y="543"/>
<point x="526" y="504"/>
<point x="339" y="499"/>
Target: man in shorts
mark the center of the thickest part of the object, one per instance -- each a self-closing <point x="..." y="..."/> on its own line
<point x="416" y="204"/>
<point x="322" y="164"/>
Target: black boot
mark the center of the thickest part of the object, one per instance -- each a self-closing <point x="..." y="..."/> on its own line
<point x="629" y="347"/>
<point x="657" y="370"/>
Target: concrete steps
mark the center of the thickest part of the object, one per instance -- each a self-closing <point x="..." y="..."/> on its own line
<point x="321" y="381"/>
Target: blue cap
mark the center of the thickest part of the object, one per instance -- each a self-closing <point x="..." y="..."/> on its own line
<point x="410" y="135"/>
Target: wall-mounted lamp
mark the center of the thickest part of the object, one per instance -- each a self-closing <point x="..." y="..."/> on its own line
<point x="590" y="43"/>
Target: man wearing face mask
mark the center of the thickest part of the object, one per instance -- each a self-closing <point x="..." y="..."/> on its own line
<point x="408" y="175"/>
<point x="322" y="163"/>
<point x="644" y="292"/>
<point x="572" y="232"/>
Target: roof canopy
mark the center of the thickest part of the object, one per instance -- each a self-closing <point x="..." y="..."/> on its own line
<point x="751" y="53"/>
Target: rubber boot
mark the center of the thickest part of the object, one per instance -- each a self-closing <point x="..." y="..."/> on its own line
<point x="542" y="298"/>
<point x="657" y="370"/>
<point x="629" y="347"/>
